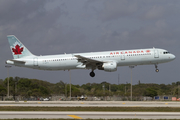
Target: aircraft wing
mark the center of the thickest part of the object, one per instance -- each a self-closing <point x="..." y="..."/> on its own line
<point x="88" y="61"/>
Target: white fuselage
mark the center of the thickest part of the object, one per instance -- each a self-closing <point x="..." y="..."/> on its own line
<point x="121" y="57"/>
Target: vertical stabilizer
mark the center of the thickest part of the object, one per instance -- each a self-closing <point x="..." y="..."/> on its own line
<point x="17" y="48"/>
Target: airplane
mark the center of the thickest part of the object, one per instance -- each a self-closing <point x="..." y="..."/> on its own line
<point x="107" y="60"/>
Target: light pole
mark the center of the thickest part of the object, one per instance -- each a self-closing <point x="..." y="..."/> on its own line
<point x="66" y="91"/>
<point x="178" y="90"/>
<point x="125" y="90"/>
<point x="118" y="79"/>
<point x="131" y="80"/>
<point x="103" y="88"/>
<point x="8" y="79"/>
<point x="70" y="83"/>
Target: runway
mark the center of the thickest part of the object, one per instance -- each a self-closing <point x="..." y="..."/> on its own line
<point x="91" y="115"/>
<point x="91" y="104"/>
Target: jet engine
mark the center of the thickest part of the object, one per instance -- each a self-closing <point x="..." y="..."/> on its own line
<point x="108" y="67"/>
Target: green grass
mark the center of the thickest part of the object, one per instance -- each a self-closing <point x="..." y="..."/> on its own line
<point x="112" y="109"/>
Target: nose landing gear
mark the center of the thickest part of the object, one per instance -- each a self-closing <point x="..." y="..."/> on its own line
<point x="157" y="70"/>
<point x="92" y="74"/>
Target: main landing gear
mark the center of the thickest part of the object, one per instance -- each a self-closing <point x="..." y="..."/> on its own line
<point x="92" y="74"/>
<point x="157" y="70"/>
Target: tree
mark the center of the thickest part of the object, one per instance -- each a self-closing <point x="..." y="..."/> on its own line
<point x="36" y="93"/>
<point x="91" y="92"/>
<point x="99" y="93"/>
<point x="3" y="91"/>
<point x="139" y="82"/>
<point x="87" y="86"/>
<point x="74" y="91"/>
<point x="44" y="91"/>
<point x="60" y="87"/>
<point x="150" y="92"/>
<point x="1" y="82"/>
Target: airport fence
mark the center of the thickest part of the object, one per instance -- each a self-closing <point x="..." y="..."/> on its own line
<point x="90" y="98"/>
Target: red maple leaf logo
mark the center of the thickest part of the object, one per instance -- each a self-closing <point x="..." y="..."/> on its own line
<point x="17" y="50"/>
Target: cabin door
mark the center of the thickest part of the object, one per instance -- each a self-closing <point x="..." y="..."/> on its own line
<point x="122" y="56"/>
<point x="35" y="61"/>
<point x="156" y="54"/>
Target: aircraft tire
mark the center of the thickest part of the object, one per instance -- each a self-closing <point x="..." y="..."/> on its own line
<point x="92" y="74"/>
<point x="157" y="70"/>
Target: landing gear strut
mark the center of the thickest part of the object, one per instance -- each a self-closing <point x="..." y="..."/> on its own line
<point x="92" y="74"/>
<point x="157" y="70"/>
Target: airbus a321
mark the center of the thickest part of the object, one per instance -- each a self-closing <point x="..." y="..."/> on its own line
<point x="107" y="60"/>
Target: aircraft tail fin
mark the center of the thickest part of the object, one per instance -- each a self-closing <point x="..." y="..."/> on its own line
<point x="17" y="48"/>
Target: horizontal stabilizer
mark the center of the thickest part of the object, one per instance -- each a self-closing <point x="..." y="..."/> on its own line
<point x="18" y="61"/>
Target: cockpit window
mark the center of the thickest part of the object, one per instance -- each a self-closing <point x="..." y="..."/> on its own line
<point x="166" y="52"/>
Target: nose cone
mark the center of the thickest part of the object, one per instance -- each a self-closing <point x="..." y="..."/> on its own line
<point x="173" y="57"/>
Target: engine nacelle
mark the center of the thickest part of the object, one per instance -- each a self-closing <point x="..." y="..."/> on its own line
<point x="109" y="67"/>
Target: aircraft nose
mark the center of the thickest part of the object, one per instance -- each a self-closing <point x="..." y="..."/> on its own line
<point x="173" y="57"/>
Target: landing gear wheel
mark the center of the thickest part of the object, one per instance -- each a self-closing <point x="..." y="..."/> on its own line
<point x="92" y="74"/>
<point x="157" y="70"/>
